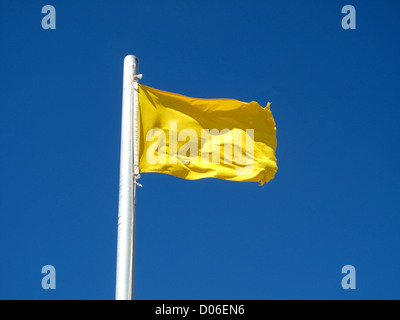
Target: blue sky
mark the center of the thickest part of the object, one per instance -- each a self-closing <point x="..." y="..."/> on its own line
<point x="335" y="97"/>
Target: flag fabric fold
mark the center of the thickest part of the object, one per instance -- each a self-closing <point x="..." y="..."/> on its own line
<point x="195" y="138"/>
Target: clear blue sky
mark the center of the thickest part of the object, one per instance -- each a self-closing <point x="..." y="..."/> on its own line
<point x="335" y="97"/>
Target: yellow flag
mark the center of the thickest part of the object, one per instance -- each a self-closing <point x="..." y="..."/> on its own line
<point x="205" y="138"/>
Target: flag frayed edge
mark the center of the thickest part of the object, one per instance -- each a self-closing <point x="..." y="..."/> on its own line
<point x="268" y="176"/>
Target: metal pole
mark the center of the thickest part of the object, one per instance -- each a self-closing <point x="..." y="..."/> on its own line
<point x="127" y="187"/>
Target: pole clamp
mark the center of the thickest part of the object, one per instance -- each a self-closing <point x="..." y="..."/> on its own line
<point x="135" y="178"/>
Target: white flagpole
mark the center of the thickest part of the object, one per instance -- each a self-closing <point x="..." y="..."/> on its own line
<point x="127" y="182"/>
